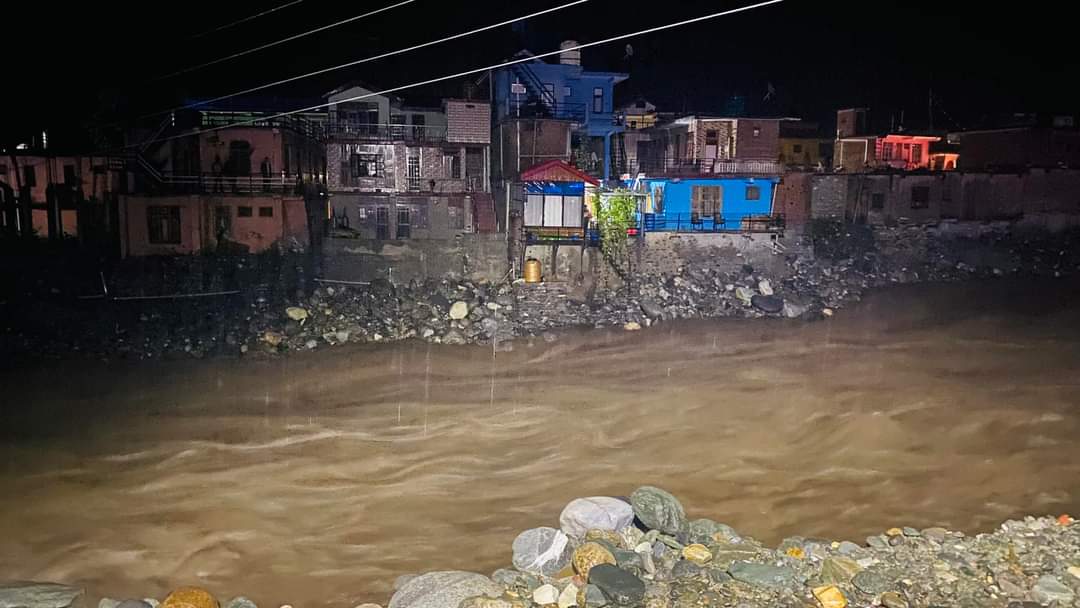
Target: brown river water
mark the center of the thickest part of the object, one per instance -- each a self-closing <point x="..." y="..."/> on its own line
<point x="317" y="479"/>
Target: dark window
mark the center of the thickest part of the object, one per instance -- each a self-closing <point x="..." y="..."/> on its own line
<point x="404" y="227"/>
<point x="397" y="130"/>
<point x="266" y="212"/>
<point x="418" y="122"/>
<point x="455" y="166"/>
<point x="920" y="197"/>
<point x="598" y="100"/>
<point x="706" y="201"/>
<point x="243" y="211"/>
<point x="3" y="170"/>
<point x="753" y="193"/>
<point x="796" y="149"/>
<point x="877" y="200"/>
<point x="163" y="224"/>
<point x="29" y="176"/>
<point x="365" y="165"/>
<point x="712" y="137"/>
<point x="70" y="178"/>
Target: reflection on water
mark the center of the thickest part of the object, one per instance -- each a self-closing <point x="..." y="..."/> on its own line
<point x="317" y="480"/>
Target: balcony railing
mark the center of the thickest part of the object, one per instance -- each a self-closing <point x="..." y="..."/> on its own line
<point x="211" y="183"/>
<point x="362" y="131"/>
<point x="297" y="124"/>
<point x="717" y="222"/>
<point x="445" y="185"/>
<point x="700" y="166"/>
<point x="535" y="108"/>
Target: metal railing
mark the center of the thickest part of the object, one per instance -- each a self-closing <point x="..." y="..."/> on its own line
<point x="362" y="131"/>
<point x="717" y="222"/>
<point x="536" y="108"/>
<point x="535" y="235"/>
<point x="703" y="166"/>
<point x="216" y="183"/>
<point x="297" y="124"/>
<point x="444" y="185"/>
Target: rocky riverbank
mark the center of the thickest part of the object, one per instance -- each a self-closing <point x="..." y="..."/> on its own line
<point x="643" y="551"/>
<point x="848" y="261"/>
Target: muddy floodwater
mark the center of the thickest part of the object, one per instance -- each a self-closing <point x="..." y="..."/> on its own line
<point x="317" y="479"/>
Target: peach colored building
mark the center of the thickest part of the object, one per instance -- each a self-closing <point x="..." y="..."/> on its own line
<point x="191" y="223"/>
<point x="75" y="179"/>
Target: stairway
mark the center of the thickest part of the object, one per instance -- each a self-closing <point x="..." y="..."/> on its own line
<point x="484" y="212"/>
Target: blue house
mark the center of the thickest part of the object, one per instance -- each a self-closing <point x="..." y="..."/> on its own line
<point x="563" y="91"/>
<point x="710" y="204"/>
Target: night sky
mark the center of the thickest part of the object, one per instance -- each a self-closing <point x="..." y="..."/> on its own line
<point x="96" y="61"/>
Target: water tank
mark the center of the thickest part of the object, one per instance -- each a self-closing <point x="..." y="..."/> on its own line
<point x="532" y="271"/>
<point x="569" y="57"/>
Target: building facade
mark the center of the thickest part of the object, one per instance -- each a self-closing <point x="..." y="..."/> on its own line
<point x="398" y="172"/>
<point x="562" y="92"/>
<point x="705" y="145"/>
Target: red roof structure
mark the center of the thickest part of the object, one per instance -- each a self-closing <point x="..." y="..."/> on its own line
<point x="557" y="171"/>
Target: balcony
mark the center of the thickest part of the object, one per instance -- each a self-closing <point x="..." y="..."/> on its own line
<point x="534" y="108"/>
<point x="297" y="124"/>
<point x="693" y="222"/>
<point x="444" y="185"/>
<point x="682" y="167"/>
<point x="355" y="131"/>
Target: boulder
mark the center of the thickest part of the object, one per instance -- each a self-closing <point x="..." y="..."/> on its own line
<point x="542" y="551"/>
<point x="190" y="597"/>
<point x="652" y="309"/>
<point x="595" y="513"/>
<point x="658" y="510"/>
<point x="618" y="586"/>
<point x="762" y="575"/>
<point x="589" y="555"/>
<point x="444" y="589"/>
<point x="769" y="304"/>
<point x="38" y="595"/>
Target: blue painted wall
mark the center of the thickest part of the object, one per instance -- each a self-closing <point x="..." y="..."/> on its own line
<point x="581" y="84"/>
<point x="678" y="195"/>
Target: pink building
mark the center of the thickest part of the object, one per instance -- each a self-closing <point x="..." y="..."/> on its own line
<point x="857" y="149"/>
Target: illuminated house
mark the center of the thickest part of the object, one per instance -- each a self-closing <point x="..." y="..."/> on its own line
<point x="556" y="209"/>
<point x="857" y="149"/>
<point x="710" y="204"/>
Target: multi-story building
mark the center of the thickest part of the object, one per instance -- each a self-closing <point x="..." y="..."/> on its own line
<point x="209" y="180"/>
<point x="401" y="172"/>
<point x="1021" y="141"/>
<point x="705" y="145"/>
<point x="802" y="146"/>
<point x="566" y="112"/>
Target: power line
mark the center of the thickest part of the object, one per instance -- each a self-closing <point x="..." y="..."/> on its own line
<point x="471" y="72"/>
<point x="365" y="60"/>
<point x="246" y="19"/>
<point x="282" y="40"/>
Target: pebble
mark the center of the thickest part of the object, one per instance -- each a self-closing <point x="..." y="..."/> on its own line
<point x="631" y="326"/>
<point x="938" y="535"/>
<point x="838" y="570"/>
<point x="190" y="597"/>
<point x="762" y="575"/>
<point x="830" y="597"/>
<point x="589" y="555"/>
<point x="872" y="582"/>
<point x="892" y="599"/>
<point x="546" y="594"/>
<point x="698" y="554"/>
<point x="459" y="310"/>
<point x="568" y="597"/>
<point x="1049" y="589"/>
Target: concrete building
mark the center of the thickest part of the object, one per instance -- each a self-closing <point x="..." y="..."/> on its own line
<point x="547" y="94"/>
<point x="400" y="172"/>
<point x="857" y="148"/>
<point x="222" y="180"/>
<point x="706" y="145"/>
<point x="1018" y="147"/>
<point x="803" y="146"/>
<point x="57" y="195"/>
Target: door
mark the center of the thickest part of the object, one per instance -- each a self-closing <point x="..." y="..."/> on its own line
<point x="382" y="223"/>
<point x="404" y="225"/>
<point x="414" y="173"/>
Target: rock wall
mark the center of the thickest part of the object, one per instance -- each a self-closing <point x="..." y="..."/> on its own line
<point x="467" y="255"/>
<point x="666" y="252"/>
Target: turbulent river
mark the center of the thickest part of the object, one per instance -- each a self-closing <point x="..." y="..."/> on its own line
<point x="317" y="479"/>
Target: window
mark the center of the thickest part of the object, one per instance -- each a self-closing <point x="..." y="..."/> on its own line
<point x="877" y="201"/>
<point x="566" y="91"/>
<point x="266" y="212"/>
<point x="404" y="227"/>
<point x="70" y="179"/>
<point x="916" y="153"/>
<point x="753" y="193"/>
<point x="29" y="176"/>
<point x="397" y="130"/>
<point x="413" y="174"/>
<point x="243" y="211"/>
<point x="712" y="137"/>
<point x="549" y="92"/>
<point x="222" y="221"/>
<point x="598" y="100"/>
<point x="419" y="123"/>
<point x="886" y="151"/>
<point x="796" y="149"/>
<point x="3" y="170"/>
<point x="707" y="200"/>
<point x="365" y="165"/>
<point x="454" y="166"/>
<point x="757" y="131"/>
<point x="920" y="197"/>
<point x="633" y="124"/>
<point x="163" y="224"/>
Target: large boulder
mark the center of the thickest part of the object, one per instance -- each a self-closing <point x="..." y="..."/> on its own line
<point x="595" y="513"/>
<point x="542" y="551"/>
<point x="38" y="595"/>
<point x="769" y="304"/>
<point x="443" y="590"/>
<point x="658" y="510"/>
<point x="652" y="309"/>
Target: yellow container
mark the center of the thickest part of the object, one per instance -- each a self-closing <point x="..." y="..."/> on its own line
<point x="532" y="270"/>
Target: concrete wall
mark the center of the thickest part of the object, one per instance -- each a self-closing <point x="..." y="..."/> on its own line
<point x="665" y="252"/>
<point x="432" y="216"/>
<point x="537" y="141"/>
<point x="765" y="145"/>
<point x="1046" y="193"/>
<point x="468" y="122"/>
<point x="793" y="197"/>
<point x="465" y="255"/>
